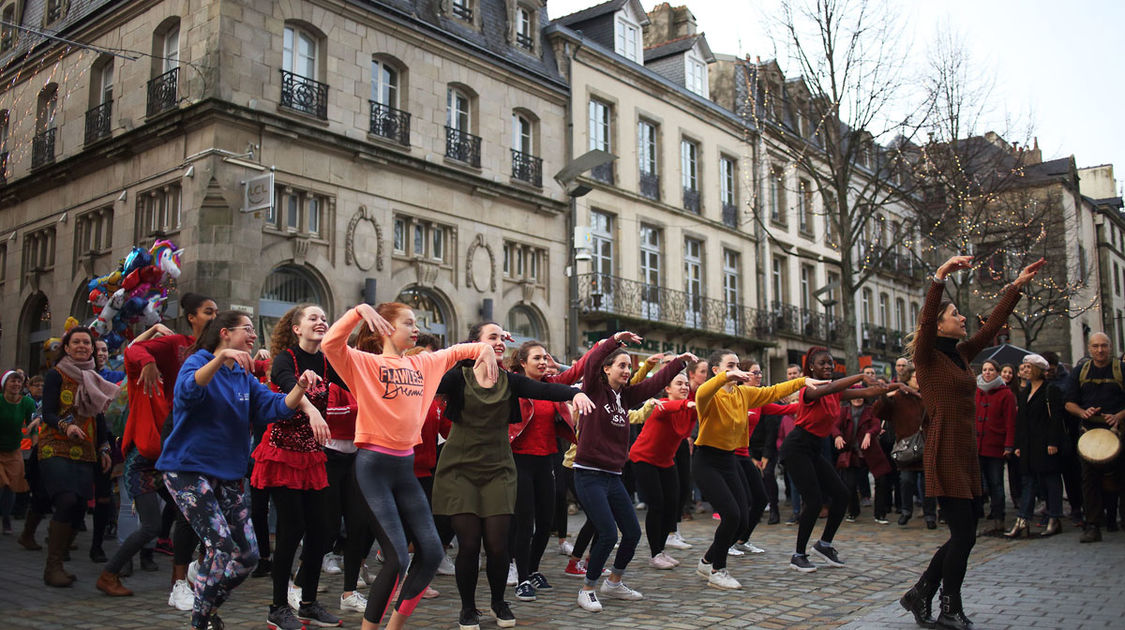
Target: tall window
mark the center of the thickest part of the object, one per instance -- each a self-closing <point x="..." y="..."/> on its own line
<point x="806" y="287"/>
<point x="457" y="110"/>
<point x="831" y="297"/>
<point x="599" y="125"/>
<point x="158" y="211"/>
<point x="865" y="306"/>
<point x="804" y="206"/>
<point x="726" y="181"/>
<point x="524" y="29"/>
<point x="48" y="105"/>
<point x="884" y="310"/>
<point x="693" y="281"/>
<point x="732" y="290"/>
<point x="689" y="162"/>
<point x="521" y="134"/>
<point x="777" y="195"/>
<point x="650" y="271"/>
<point x="628" y="40"/>
<point x="171" y="52"/>
<point x="384" y="84"/>
<point x="696" y="77"/>
<point x="778" y="280"/>
<point x="646" y="147"/>
<point x="900" y="315"/>
<point x="299" y="55"/>
<point x="601" y="241"/>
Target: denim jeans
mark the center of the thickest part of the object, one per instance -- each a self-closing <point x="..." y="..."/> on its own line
<point x="608" y="507"/>
<point x="1047" y="484"/>
<point x="992" y="482"/>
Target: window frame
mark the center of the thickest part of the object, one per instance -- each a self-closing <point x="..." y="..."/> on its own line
<point x="689" y="164"/>
<point x="292" y="37"/>
<point x="454" y="97"/>
<point x="624" y="45"/>
<point x="383" y="90"/>
<point x="648" y="152"/>
<point x="599" y="131"/>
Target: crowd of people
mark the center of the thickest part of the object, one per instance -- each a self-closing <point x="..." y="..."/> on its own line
<point x="365" y="431"/>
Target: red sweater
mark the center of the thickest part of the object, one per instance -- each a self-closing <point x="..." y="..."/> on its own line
<point x="425" y="453"/>
<point x="341" y="413"/>
<point x="147" y="413"/>
<point x="996" y="421"/>
<point x="755" y="415"/>
<point x="662" y="433"/>
<point x="819" y="416"/>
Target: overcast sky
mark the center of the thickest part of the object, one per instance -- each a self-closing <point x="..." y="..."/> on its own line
<point x="1055" y="66"/>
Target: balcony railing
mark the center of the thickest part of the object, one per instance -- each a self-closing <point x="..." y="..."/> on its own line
<point x="611" y="295"/>
<point x="880" y="339"/>
<point x="388" y="122"/>
<point x="163" y="92"/>
<point x="99" y="122"/>
<point x="527" y="168"/>
<point x="525" y="41"/>
<point x="603" y="173"/>
<point x="462" y="146"/>
<point x="691" y="200"/>
<point x="899" y="263"/>
<point x="730" y="215"/>
<point x="304" y="95"/>
<point x="462" y="11"/>
<point x="43" y="148"/>
<point x="650" y="185"/>
<point x="3" y="168"/>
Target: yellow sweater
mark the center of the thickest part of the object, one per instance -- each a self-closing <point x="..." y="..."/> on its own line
<point x="722" y="412"/>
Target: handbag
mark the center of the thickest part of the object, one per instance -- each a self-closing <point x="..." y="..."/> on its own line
<point x="908" y="450"/>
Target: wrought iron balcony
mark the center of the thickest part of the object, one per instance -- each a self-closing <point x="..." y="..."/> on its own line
<point x="462" y="146"/>
<point x="730" y="215"/>
<point x="4" y="168"/>
<point x="603" y="173"/>
<point x="99" y="122"/>
<point x="525" y="41"/>
<point x="897" y="263"/>
<point x="527" y="168"/>
<point x="880" y="339"/>
<point x="304" y="95"/>
<point x="163" y="92"/>
<point x="650" y="185"/>
<point x="462" y="11"/>
<point x="691" y="200"/>
<point x="391" y="123"/>
<point x="43" y="148"/>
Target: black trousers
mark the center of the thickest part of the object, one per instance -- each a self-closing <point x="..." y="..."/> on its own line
<point x="815" y="479"/>
<point x="723" y="482"/>
<point x="683" y="474"/>
<point x="950" y="561"/>
<point x="769" y="479"/>
<point x="756" y="491"/>
<point x="1094" y="479"/>
<point x="660" y="487"/>
<point x="300" y="513"/>
<point x="535" y="511"/>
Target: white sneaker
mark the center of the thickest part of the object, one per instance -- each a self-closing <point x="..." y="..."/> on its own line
<point x="361" y="583"/>
<point x="192" y="571"/>
<point x="673" y="542"/>
<point x="749" y="547"/>
<point x="513" y="575"/>
<point x="618" y="590"/>
<point x="703" y="569"/>
<point x="332" y="564"/>
<point x="588" y="600"/>
<point x="565" y="548"/>
<point x="659" y="561"/>
<point x="365" y="573"/>
<point x="356" y="601"/>
<point x="446" y="567"/>
<point x="722" y="579"/>
<point x="734" y="551"/>
<point x="294" y="596"/>
<point x="669" y="558"/>
<point x="181" y="597"/>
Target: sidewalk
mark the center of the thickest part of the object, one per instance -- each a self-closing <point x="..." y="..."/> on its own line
<point x="1051" y="583"/>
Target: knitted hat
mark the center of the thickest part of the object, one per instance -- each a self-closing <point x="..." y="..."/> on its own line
<point x="7" y="375"/>
<point x="1037" y="360"/>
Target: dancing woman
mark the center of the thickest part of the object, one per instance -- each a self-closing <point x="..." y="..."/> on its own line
<point x="941" y="355"/>
<point x="204" y="460"/>
<point x="394" y="392"/>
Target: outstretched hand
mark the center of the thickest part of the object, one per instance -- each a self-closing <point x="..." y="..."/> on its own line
<point x="485" y="367"/>
<point x="627" y="337"/>
<point x="1029" y="272"/>
<point x="376" y="322"/>
<point x="956" y="263"/>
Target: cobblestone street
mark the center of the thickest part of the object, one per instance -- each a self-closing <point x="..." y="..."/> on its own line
<point x="1052" y="583"/>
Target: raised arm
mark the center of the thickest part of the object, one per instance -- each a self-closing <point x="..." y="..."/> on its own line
<point x="335" y="343"/>
<point x="651" y="387"/>
<point x="999" y="315"/>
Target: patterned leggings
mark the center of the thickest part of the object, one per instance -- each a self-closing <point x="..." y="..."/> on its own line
<point x="219" y="516"/>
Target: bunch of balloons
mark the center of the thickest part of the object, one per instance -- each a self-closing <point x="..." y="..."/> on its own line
<point x="134" y="293"/>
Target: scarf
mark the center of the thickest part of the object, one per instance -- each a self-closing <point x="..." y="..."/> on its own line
<point x="94" y="393"/>
<point x="948" y="347"/>
<point x="987" y="386"/>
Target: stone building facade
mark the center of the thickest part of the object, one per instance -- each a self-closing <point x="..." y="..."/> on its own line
<point x="407" y="143"/>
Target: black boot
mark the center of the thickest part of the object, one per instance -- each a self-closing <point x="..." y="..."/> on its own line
<point x="952" y="614"/>
<point x="147" y="562"/>
<point x="919" y="601"/>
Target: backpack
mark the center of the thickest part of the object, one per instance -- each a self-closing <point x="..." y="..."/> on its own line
<point x="1084" y="374"/>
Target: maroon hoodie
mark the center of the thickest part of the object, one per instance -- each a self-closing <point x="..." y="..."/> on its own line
<point x="603" y="436"/>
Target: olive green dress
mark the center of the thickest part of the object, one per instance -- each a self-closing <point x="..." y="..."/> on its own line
<point x="476" y="473"/>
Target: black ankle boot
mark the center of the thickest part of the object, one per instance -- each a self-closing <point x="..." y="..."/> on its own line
<point x="919" y="601"/>
<point x="952" y="614"/>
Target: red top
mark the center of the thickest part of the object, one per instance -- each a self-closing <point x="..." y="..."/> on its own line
<point x="755" y="415"/>
<point x="538" y="436"/>
<point x="147" y="413"/>
<point x="662" y="433"/>
<point x="425" y="453"/>
<point x="819" y="416"/>
<point x="341" y="413"/>
<point x="996" y="421"/>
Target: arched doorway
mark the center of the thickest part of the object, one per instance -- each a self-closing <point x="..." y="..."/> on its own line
<point x="35" y="328"/>
<point x="525" y="324"/>
<point x="284" y="288"/>
<point x="431" y="312"/>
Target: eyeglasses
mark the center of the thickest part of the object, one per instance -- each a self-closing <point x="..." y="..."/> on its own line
<point x="247" y="327"/>
<point x="755" y="372"/>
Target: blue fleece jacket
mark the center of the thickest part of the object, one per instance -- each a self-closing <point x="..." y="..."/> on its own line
<point x="211" y="425"/>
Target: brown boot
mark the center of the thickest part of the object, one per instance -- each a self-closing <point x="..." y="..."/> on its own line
<point x="58" y="536"/>
<point x="110" y="584"/>
<point x="27" y="537"/>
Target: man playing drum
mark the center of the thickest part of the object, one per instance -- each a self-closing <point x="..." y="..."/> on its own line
<point x="1096" y="395"/>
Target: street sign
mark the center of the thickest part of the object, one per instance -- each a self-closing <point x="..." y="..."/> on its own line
<point x="257" y="193"/>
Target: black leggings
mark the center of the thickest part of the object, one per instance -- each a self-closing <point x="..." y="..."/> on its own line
<point x="344" y="499"/>
<point x="470" y="530"/>
<point x="683" y="472"/>
<point x="756" y="490"/>
<point x="769" y="481"/>
<point x="535" y="506"/>
<point x="814" y="479"/>
<point x="560" y="494"/>
<point x="300" y="513"/>
<point x="260" y="519"/>
<point x="660" y="487"/>
<point x="722" y="481"/>
<point x="851" y="478"/>
<point x="952" y="559"/>
<point x="103" y="506"/>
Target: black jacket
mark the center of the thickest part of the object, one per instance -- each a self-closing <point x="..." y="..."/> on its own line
<point x="453" y="388"/>
<point x="1039" y="424"/>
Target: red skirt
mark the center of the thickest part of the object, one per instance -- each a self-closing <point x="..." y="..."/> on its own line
<point x="280" y="468"/>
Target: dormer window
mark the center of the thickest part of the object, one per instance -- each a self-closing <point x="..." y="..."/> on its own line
<point x="524" y="28"/>
<point x="463" y="9"/>
<point x="628" y="39"/>
<point x="696" y="76"/>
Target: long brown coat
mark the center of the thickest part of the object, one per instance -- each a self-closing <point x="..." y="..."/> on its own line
<point x="950" y="456"/>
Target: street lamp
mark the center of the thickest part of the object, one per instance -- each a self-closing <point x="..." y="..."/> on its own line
<point x="568" y="179"/>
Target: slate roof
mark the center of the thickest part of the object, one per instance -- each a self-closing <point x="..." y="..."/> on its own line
<point x="590" y="13"/>
<point x="678" y="46"/>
